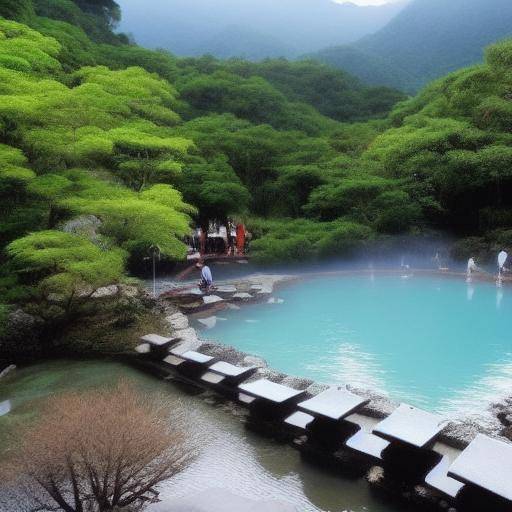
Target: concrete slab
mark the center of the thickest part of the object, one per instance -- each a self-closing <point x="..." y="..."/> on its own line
<point x="209" y="322"/>
<point x="212" y="378"/>
<point x="212" y="299"/>
<point x="299" y="420"/>
<point x="485" y="463"/>
<point x="246" y="399"/>
<point x="191" y="291"/>
<point x="196" y="357"/>
<point x="439" y="480"/>
<point x="173" y="360"/>
<point x="228" y="288"/>
<point x="143" y="348"/>
<point x="156" y="340"/>
<point x="334" y="404"/>
<point x="411" y="426"/>
<point x="230" y="370"/>
<point x="270" y="391"/>
<point x="367" y="444"/>
<point x="242" y="296"/>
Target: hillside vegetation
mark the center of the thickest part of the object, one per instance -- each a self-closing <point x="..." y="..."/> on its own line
<point x="426" y="40"/>
<point x="108" y="149"/>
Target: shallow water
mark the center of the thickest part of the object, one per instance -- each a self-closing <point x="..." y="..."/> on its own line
<point x="435" y="342"/>
<point x="230" y="457"/>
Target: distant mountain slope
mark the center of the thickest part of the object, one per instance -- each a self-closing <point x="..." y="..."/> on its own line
<point x="251" y="28"/>
<point x="426" y="40"/>
<point x="250" y="45"/>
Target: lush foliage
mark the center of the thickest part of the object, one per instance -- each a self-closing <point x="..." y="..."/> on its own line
<point x="299" y="240"/>
<point x="108" y="150"/>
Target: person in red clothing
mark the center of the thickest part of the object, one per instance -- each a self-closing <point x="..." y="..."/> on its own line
<point x="240" y="239"/>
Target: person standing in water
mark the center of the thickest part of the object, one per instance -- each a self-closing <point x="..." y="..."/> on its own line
<point x="502" y="259"/>
<point x="206" y="276"/>
<point x="472" y="268"/>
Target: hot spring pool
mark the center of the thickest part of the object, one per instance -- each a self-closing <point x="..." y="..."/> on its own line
<point x="434" y="342"/>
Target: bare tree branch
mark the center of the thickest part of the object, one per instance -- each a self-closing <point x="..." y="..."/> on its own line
<point x="99" y="451"/>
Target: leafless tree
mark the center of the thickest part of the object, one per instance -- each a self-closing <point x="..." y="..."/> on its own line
<point x="99" y="451"/>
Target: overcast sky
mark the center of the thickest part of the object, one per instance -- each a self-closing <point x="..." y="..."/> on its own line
<point x="367" y="2"/>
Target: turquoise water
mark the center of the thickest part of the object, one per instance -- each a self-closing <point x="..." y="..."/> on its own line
<point x="437" y="343"/>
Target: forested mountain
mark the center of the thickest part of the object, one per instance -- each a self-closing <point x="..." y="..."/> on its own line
<point x="108" y="149"/>
<point x="253" y="29"/>
<point x="426" y="40"/>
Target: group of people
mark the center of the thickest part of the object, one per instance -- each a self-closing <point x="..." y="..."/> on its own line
<point x="220" y="239"/>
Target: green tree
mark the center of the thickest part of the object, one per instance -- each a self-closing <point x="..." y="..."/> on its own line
<point x="68" y="267"/>
<point x="216" y="188"/>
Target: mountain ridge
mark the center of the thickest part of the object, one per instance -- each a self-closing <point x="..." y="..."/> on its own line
<point x="426" y="40"/>
<point x="295" y="26"/>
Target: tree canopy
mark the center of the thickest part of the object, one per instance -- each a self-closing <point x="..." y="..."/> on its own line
<point x="146" y="144"/>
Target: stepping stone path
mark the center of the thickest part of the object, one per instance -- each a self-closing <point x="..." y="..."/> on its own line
<point x="209" y="322"/>
<point x="226" y="289"/>
<point x="212" y="299"/>
<point x="242" y="296"/>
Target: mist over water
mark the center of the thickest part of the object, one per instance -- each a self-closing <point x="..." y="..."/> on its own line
<point x="393" y="253"/>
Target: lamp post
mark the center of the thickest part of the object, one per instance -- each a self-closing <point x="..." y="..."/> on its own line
<point x="155" y="253"/>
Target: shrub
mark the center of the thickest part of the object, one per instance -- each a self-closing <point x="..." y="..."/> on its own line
<point x="344" y="240"/>
<point x="100" y="450"/>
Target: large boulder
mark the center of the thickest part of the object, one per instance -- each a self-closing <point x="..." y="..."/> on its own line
<point x="177" y="321"/>
<point x="105" y="292"/>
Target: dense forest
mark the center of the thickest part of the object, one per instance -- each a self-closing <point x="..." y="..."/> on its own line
<point x="108" y="149"/>
<point x="426" y="40"/>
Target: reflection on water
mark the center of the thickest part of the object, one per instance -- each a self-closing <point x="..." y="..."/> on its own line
<point x="499" y="297"/>
<point x="230" y="457"/>
<point x="349" y="363"/>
